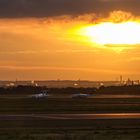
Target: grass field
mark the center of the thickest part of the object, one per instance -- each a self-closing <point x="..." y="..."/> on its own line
<point x="43" y="134"/>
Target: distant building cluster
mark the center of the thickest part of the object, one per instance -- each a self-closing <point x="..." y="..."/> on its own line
<point x="128" y="82"/>
<point x="70" y="83"/>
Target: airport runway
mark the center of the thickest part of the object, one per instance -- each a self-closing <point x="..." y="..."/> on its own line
<point x="95" y="96"/>
<point x="104" y="116"/>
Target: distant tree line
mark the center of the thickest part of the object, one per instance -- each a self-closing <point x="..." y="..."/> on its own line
<point x="38" y="89"/>
<point x="131" y="89"/>
<point x="134" y="89"/>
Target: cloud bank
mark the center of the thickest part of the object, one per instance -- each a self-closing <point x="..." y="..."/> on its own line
<point x="49" y="8"/>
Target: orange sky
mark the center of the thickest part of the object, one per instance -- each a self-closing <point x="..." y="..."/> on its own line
<point x="56" y="48"/>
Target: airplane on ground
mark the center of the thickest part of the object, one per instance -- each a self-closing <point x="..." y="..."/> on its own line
<point x="80" y="95"/>
<point x="42" y="94"/>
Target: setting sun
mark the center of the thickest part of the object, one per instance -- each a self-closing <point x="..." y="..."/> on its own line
<point x="113" y="33"/>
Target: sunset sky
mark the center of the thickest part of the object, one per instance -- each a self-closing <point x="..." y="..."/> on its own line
<point x="69" y="39"/>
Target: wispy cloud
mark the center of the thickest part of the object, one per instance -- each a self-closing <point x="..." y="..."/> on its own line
<point x="80" y="69"/>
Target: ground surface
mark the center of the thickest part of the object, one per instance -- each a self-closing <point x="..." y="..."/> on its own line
<point x="18" y="119"/>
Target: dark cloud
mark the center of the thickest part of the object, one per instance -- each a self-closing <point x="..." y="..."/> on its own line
<point x="47" y="8"/>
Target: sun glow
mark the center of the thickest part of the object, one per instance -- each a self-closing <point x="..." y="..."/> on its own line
<point x="126" y="33"/>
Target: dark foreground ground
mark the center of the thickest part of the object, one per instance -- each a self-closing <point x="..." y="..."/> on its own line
<point x="17" y="123"/>
<point x="44" y="134"/>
